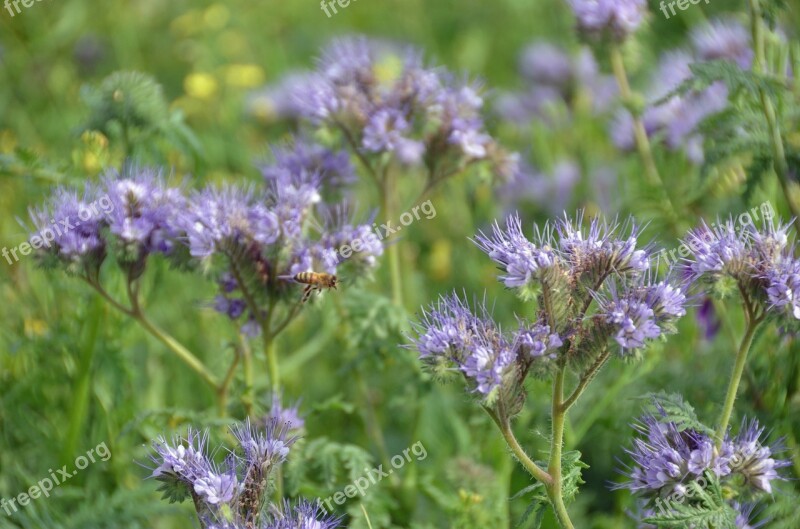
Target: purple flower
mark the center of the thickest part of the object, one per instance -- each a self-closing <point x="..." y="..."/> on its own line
<point x="451" y="333"/>
<point x="264" y="448"/>
<point x="634" y="320"/>
<point x="69" y="227"/>
<point x="545" y="63"/>
<point x="753" y="460"/>
<point x="537" y="341"/>
<point x="144" y="213"/>
<point x="725" y="39"/>
<point x="222" y="219"/>
<point x="603" y="247"/>
<point x="617" y="17"/>
<point x="520" y="258"/>
<point x="784" y="287"/>
<point x="303" y="515"/>
<point x="385" y="133"/>
<point x="214" y="488"/>
<point x="666" y="459"/>
<point x="303" y="162"/>
<point x="288" y="416"/>
<point x="182" y="459"/>
<point x="716" y="250"/>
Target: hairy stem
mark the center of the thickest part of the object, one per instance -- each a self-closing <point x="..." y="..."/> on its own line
<point x="736" y="377"/>
<point x="778" y="152"/>
<point x="555" y="489"/>
<point x="585" y="380"/>
<point x="505" y="428"/>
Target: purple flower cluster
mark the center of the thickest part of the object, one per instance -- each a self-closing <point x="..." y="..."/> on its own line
<point x="552" y="76"/>
<point x="384" y="100"/>
<point x="762" y="262"/>
<point x="617" y="18"/>
<point x="643" y="311"/>
<point x="232" y="494"/>
<point x="450" y="334"/>
<point x="675" y="120"/>
<point x="565" y="273"/>
<point x="129" y="214"/>
<point x="257" y="234"/>
<point x="667" y="458"/>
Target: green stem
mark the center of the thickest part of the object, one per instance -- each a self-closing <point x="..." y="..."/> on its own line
<point x="176" y="347"/>
<point x="736" y="377"/>
<point x="586" y="378"/>
<point x="778" y="152"/>
<point x="393" y="250"/>
<point x="640" y="133"/>
<point x="555" y="489"/>
<point x="80" y="404"/>
<point x="180" y="351"/>
<point x="271" y="354"/>
<point x="247" y="368"/>
<point x="530" y="465"/>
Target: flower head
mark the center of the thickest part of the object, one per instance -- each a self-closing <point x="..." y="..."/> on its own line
<point x="619" y="18"/>
<point x="520" y="258"/>
<point x="754" y="460"/>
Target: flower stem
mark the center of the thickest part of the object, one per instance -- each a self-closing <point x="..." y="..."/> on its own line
<point x="271" y="354"/>
<point x="393" y="249"/>
<point x="736" y="377"/>
<point x="505" y="428"/>
<point x="640" y="133"/>
<point x="759" y="67"/>
<point x="176" y="347"/>
<point x="555" y="489"/>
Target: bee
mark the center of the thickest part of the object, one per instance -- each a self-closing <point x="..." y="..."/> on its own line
<point x="314" y="281"/>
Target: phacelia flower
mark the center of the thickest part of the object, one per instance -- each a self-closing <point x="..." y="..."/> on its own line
<point x="619" y="18"/>
<point x="384" y="100"/>
<point x="303" y="515"/>
<point x="723" y="39"/>
<point x="537" y="341"/>
<point x="602" y="247"/>
<point x="666" y="459"/>
<point x="520" y="258"/>
<point x="783" y="290"/>
<point x="451" y="333"/>
<point x="754" y="460"/>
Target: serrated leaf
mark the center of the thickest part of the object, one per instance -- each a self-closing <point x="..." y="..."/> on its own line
<point x="670" y="407"/>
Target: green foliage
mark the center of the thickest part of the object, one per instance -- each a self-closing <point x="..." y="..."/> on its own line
<point x="671" y="407"/>
<point x="572" y="477"/>
<point x="703" y="508"/>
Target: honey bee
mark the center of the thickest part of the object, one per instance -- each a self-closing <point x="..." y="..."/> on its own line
<point x="314" y="281"/>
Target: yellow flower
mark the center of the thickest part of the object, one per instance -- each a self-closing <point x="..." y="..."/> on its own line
<point x="200" y="85"/>
<point x="244" y="75"/>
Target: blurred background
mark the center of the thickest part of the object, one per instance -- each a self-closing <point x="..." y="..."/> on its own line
<point x="74" y="373"/>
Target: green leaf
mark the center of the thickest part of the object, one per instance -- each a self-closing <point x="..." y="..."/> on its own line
<point x="670" y="407"/>
<point x="701" y="508"/>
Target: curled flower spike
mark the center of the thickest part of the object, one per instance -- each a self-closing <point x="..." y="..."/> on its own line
<point x="303" y="515"/>
<point x="754" y="460"/>
<point x="450" y="333"/>
<point x="385" y="101"/>
<point x="520" y="258"/>
<point x="760" y="261"/>
<point x="232" y="495"/>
